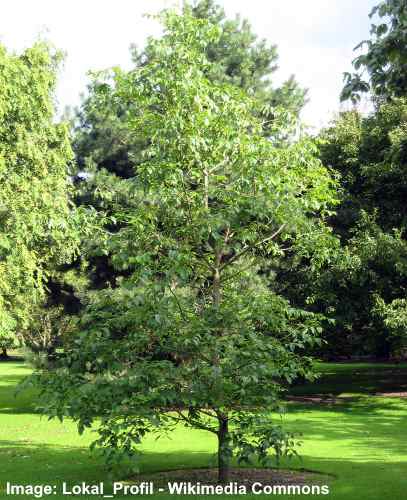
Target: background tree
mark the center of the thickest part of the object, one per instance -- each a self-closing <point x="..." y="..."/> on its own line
<point x="49" y="329"/>
<point x="364" y="287"/>
<point x="370" y="266"/>
<point x="194" y="334"/>
<point x="385" y="60"/>
<point x="395" y="318"/>
<point x="37" y="221"/>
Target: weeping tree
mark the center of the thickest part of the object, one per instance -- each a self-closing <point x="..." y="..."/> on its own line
<point x="193" y="333"/>
<point x="37" y="221"/>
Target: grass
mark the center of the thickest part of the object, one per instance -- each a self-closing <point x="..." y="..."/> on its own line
<point x="361" y="439"/>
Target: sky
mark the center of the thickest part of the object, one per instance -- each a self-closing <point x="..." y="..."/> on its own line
<point x="315" y="39"/>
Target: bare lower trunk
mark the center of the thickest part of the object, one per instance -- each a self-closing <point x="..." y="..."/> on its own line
<point x="216" y="288"/>
<point x="223" y="429"/>
<point x="206" y="188"/>
<point x="223" y="451"/>
<point x="3" y="354"/>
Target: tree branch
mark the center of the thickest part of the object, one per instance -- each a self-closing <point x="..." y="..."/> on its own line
<point x="250" y="247"/>
<point x="178" y="303"/>
<point x="195" y="423"/>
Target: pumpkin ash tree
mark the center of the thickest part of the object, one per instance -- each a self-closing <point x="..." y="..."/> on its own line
<point x="194" y="335"/>
<point x="37" y="222"/>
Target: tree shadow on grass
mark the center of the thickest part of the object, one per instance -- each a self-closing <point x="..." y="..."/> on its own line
<point x="44" y="463"/>
<point x="359" y="405"/>
<point x="29" y="463"/>
<point x="12" y="359"/>
<point x="348" y="378"/>
<point x="14" y="401"/>
<point x="24" y="462"/>
<point x="366" y="425"/>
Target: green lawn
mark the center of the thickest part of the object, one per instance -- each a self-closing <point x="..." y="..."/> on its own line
<point x="360" y="439"/>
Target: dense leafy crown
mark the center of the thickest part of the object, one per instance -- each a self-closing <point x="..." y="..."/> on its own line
<point x="370" y="153"/>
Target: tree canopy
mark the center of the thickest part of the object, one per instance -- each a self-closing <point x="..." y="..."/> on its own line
<point x="237" y="57"/>
<point x="385" y="60"/>
<point x="108" y="151"/>
<point x="193" y="333"/>
<point x="36" y="217"/>
<point x="370" y="266"/>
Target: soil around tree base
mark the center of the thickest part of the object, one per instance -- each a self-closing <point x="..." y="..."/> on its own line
<point x="240" y="476"/>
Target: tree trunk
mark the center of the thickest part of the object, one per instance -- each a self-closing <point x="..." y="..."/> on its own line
<point x="216" y="288"/>
<point x="223" y="451"/>
<point x="3" y="354"/>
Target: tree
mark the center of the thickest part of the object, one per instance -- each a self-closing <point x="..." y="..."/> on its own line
<point x="37" y="220"/>
<point x="366" y="275"/>
<point x="370" y="265"/>
<point x="102" y="138"/>
<point x="239" y="58"/>
<point x="108" y="151"/>
<point x="194" y="334"/>
<point x="49" y="327"/>
<point x="369" y="153"/>
<point x="7" y="341"/>
<point x="395" y="318"/>
<point x="385" y="60"/>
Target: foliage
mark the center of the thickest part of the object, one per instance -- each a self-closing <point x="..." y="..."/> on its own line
<point x="37" y="221"/>
<point x="239" y="58"/>
<point x="6" y="342"/>
<point x="47" y="329"/>
<point x="395" y="318"/>
<point x="102" y="137"/>
<point x="370" y="264"/>
<point x="193" y="333"/>
<point x="368" y="153"/>
<point x="108" y="151"/>
<point x="385" y="60"/>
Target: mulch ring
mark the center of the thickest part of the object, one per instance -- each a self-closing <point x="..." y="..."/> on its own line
<point x="241" y="476"/>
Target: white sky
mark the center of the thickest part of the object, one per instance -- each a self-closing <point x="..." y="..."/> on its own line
<point x="315" y="38"/>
